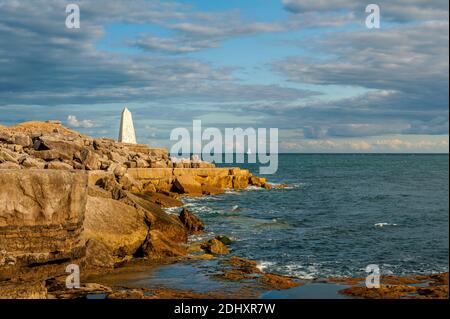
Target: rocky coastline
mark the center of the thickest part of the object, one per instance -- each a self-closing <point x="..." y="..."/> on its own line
<point x="67" y="198"/>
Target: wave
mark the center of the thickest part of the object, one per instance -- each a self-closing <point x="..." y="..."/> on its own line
<point x="381" y="225"/>
<point x="263" y="265"/>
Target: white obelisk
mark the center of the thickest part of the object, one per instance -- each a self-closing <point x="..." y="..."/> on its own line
<point x="126" y="133"/>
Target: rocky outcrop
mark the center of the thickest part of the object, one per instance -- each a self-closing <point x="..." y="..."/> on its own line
<point x="197" y="181"/>
<point x="41" y="214"/>
<point x="51" y="142"/>
<point x="186" y="184"/>
<point x="216" y="247"/>
<point x="395" y="287"/>
<point x="69" y="198"/>
<point x="192" y="223"/>
<point x="118" y="226"/>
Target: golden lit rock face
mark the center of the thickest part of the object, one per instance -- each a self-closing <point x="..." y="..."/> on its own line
<point x="119" y="226"/>
<point x="126" y="132"/>
<point x="41" y="213"/>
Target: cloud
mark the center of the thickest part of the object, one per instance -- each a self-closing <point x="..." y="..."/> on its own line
<point x="43" y="62"/>
<point x="397" y="11"/>
<point x="421" y="144"/>
<point x="404" y="71"/>
<point x="74" y="122"/>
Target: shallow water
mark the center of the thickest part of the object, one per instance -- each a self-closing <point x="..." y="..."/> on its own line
<point x="308" y="291"/>
<point x="342" y="213"/>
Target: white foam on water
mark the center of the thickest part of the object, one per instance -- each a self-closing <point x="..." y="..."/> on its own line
<point x="172" y="210"/>
<point x="290" y="269"/>
<point x="301" y="271"/>
<point x="253" y="188"/>
<point x="201" y="237"/>
<point x="380" y="225"/>
<point x="263" y="265"/>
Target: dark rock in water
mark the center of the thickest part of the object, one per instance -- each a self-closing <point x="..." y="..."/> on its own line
<point x="216" y="247"/>
<point x="192" y="223"/>
<point x="224" y="239"/>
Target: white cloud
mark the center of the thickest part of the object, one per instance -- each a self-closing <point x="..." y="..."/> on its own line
<point x="73" y="121"/>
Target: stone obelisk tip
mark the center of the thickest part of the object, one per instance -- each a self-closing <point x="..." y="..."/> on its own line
<point x="126" y="132"/>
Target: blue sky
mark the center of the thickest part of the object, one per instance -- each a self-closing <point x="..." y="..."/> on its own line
<point x="309" y="68"/>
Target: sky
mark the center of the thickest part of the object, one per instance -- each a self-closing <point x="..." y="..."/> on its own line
<point x="310" y="68"/>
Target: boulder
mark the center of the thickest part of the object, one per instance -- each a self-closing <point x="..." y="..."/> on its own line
<point x="118" y="226"/>
<point x="89" y="159"/>
<point x="8" y="156"/>
<point x="58" y="165"/>
<point x="97" y="191"/>
<point x="192" y="223"/>
<point x="216" y="247"/>
<point x="158" y="246"/>
<point x="157" y="219"/>
<point x="186" y="184"/>
<point x="130" y="184"/>
<point x="66" y="149"/>
<point x="23" y="140"/>
<point x="224" y="239"/>
<point x="30" y="162"/>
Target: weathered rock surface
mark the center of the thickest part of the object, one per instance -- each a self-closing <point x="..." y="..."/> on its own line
<point x="215" y="246"/>
<point x="192" y="223"/>
<point x="393" y="287"/>
<point x="158" y="246"/>
<point x="41" y="214"/>
<point x="118" y="226"/>
<point x="186" y="184"/>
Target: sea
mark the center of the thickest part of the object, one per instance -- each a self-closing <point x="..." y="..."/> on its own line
<point x="339" y="214"/>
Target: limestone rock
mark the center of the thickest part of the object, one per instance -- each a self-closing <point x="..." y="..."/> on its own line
<point x="130" y="184"/>
<point x="119" y="226"/>
<point x="157" y="219"/>
<point x="65" y="148"/>
<point x="9" y="165"/>
<point x="38" y="207"/>
<point x="23" y="290"/>
<point x="8" y="156"/>
<point x="216" y="247"/>
<point x="96" y="191"/>
<point x="186" y="184"/>
<point x="159" y="246"/>
<point x="30" y="162"/>
<point x="23" y="140"/>
<point x="192" y="223"/>
<point x="89" y="159"/>
<point x="98" y="254"/>
<point x="58" y="165"/>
